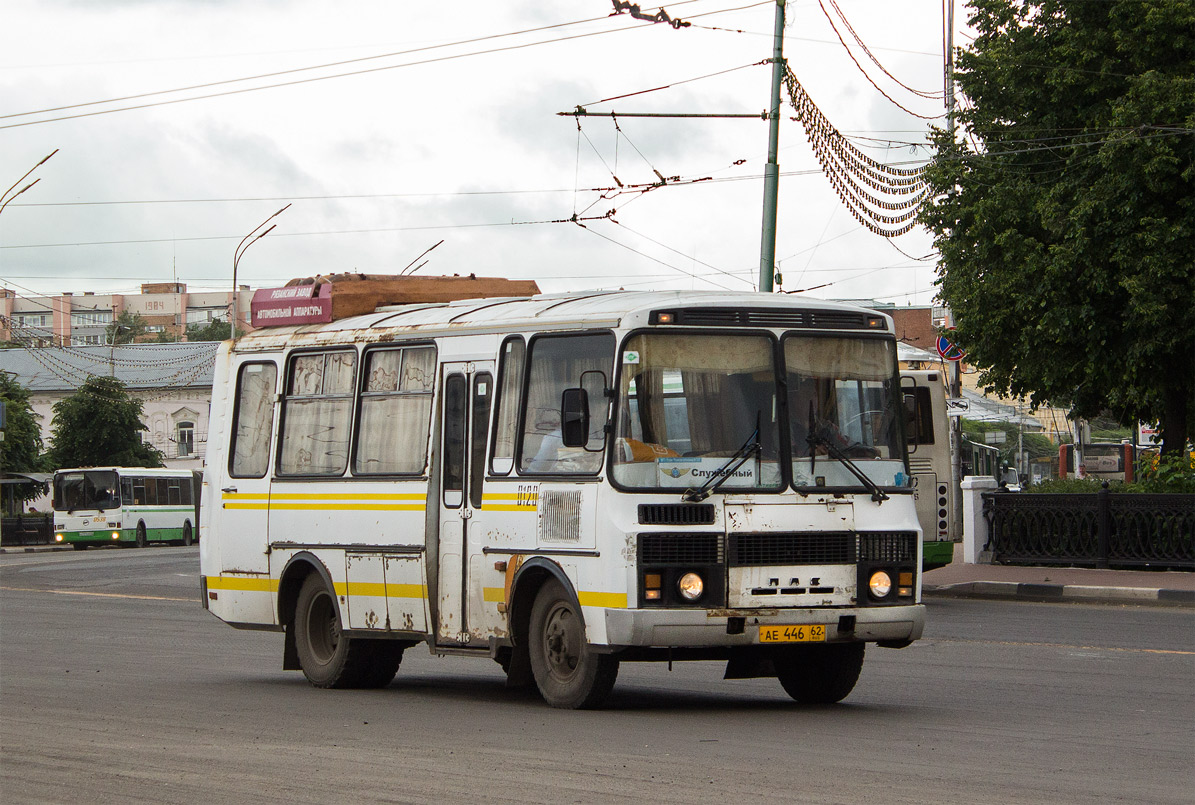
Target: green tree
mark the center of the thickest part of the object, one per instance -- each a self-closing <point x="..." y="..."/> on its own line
<point x="213" y="331"/>
<point x="22" y="446"/>
<point x="125" y="328"/>
<point x="100" y="425"/>
<point x="1065" y="216"/>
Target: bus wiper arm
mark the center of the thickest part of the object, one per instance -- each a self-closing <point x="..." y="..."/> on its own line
<point x="749" y="448"/>
<point x="877" y="494"/>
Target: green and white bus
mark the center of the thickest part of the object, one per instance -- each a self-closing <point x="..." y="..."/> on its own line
<point x="131" y="505"/>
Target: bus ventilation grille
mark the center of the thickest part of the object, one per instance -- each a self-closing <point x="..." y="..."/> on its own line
<point x="887" y="547"/>
<point x="676" y="514"/>
<point x="771" y="317"/>
<point x="683" y="549"/>
<point x="811" y="548"/>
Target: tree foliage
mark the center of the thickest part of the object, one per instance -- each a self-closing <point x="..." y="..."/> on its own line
<point x="100" y="425"/>
<point x="1065" y="217"/>
<point x="213" y="331"/>
<point x="125" y="328"/>
<point x="22" y="446"/>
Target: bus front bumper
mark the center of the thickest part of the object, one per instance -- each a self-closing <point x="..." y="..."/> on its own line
<point x="722" y="627"/>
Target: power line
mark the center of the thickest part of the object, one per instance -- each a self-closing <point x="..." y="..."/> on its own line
<point x="315" y="78"/>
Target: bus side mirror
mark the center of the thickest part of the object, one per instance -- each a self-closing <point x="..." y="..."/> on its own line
<point x="574" y="417"/>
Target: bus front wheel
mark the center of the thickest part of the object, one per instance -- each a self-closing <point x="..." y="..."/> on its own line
<point x="568" y="673"/>
<point x="142" y="539"/>
<point x="820" y="674"/>
<point x="187" y="538"/>
<point x="328" y="657"/>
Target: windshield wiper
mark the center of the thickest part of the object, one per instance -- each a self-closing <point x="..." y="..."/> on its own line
<point x="750" y="447"/>
<point x="818" y="438"/>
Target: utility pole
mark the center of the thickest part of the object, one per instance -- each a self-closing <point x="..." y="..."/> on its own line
<point x="956" y="382"/>
<point x="771" y="172"/>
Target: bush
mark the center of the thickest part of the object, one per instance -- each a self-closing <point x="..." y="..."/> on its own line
<point x="1172" y="474"/>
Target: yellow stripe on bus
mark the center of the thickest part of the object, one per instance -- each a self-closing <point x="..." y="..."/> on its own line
<point x="608" y="600"/>
<point x="373" y="507"/>
<point x="501" y="502"/>
<point x="493" y="594"/>
<point x="321" y="502"/>
<point x="344" y="496"/>
<point x="242" y="584"/>
<point x="376" y="589"/>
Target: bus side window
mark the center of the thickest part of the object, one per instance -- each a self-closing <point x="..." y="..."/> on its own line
<point x="253" y="420"/>
<point x="395" y="414"/>
<point x="317" y="414"/>
<point x="506" y="422"/>
<point x="557" y="363"/>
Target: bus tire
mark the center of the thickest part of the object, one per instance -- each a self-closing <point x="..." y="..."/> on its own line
<point x="328" y="658"/>
<point x="568" y="673"/>
<point x="820" y="674"/>
<point x="142" y="539"/>
<point x="79" y="546"/>
<point x="187" y="538"/>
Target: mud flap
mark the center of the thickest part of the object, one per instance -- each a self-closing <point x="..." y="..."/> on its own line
<point x="749" y="663"/>
<point x="290" y="654"/>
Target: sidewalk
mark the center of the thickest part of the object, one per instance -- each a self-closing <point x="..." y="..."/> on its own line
<point x="1060" y="584"/>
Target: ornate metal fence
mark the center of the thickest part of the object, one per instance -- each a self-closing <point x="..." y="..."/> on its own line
<point x="1103" y="529"/>
<point x="26" y="529"/>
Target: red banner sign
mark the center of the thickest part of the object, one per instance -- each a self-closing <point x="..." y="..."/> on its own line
<point x="295" y="304"/>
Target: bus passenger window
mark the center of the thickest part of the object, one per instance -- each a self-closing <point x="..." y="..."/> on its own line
<point x="396" y="406"/>
<point x="317" y="414"/>
<point x="253" y="420"/>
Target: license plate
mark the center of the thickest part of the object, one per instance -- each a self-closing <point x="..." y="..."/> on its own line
<point x="815" y="633"/>
<point x="86" y="533"/>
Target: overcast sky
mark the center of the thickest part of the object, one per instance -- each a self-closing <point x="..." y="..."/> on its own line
<point x="465" y="147"/>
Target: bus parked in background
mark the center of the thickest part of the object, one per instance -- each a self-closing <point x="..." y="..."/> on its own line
<point x="1109" y="461"/>
<point x="928" y="433"/>
<point x="562" y="483"/>
<point x="124" y="505"/>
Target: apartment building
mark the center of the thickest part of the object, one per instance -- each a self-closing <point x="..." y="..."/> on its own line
<point x="71" y="319"/>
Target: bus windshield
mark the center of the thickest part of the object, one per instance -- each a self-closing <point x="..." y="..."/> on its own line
<point x="843" y="404"/>
<point x="86" y="489"/>
<point x="695" y="410"/>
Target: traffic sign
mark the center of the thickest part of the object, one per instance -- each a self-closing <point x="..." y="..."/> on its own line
<point x="949" y="351"/>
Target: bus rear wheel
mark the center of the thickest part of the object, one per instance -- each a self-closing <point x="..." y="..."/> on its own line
<point x="568" y="673"/>
<point x="142" y="539"/>
<point x="328" y="657"/>
<point x="820" y="674"/>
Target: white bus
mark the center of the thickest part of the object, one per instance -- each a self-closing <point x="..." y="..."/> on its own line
<point x="929" y="435"/>
<point x="565" y="482"/>
<point x="124" y="505"/>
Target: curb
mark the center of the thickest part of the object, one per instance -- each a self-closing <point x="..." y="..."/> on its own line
<point x="35" y="548"/>
<point x="1075" y="593"/>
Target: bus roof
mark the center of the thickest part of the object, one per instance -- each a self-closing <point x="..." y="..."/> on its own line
<point x="165" y="472"/>
<point x="578" y="309"/>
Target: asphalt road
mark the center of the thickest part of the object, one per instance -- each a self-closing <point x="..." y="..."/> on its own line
<point x="115" y="686"/>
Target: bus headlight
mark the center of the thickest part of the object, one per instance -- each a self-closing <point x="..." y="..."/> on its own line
<point x="58" y="538"/>
<point x="690" y="586"/>
<point x="880" y="584"/>
<point x="115" y="535"/>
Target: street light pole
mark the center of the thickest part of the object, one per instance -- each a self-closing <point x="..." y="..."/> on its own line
<point x="6" y="198"/>
<point x="241" y="248"/>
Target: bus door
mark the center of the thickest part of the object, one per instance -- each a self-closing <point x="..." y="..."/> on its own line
<point x="468" y="391"/>
<point x="242" y="494"/>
